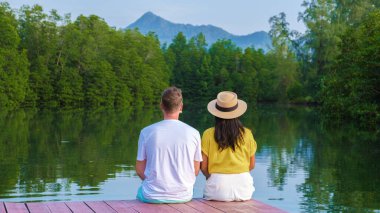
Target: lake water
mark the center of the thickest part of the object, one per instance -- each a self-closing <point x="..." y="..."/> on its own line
<point x="302" y="164"/>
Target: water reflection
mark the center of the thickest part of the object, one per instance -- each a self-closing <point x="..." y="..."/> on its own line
<point x="302" y="164"/>
<point x="42" y="152"/>
<point x="332" y="168"/>
<point x="344" y="175"/>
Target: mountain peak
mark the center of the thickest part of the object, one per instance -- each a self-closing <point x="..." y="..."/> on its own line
<point x="166" y="31"/>
<point x="148" y="20"/>
<point x="148" y="14"/>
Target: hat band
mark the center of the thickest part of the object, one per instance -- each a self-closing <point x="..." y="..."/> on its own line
<point x="223" y="109"/>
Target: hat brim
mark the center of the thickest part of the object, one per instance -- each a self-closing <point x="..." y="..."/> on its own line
<point x="242" y="107"/>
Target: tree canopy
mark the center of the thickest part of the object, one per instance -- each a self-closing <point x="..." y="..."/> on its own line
<point x="47" y="60"/>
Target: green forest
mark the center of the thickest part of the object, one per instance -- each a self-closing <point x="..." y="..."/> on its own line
<point x="49" y="60"/>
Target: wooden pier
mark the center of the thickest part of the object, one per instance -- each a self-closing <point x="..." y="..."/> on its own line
<point x="117" y="206"/>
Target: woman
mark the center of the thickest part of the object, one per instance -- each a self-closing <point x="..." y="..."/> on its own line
<point x="228" y="151"/>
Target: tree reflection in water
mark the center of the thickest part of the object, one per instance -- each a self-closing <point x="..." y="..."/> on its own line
<point x="334" y="167"/>
<point x="47" y="151"/>
<point x="338" y="161"/>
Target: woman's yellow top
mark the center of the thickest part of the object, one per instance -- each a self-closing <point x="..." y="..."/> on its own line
<point x="228" y="161"/>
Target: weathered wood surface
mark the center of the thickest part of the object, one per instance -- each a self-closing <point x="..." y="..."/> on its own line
<point x="16" y="208"/>
<point x="129" y="206"/>
<point x="78" y="206"/>
<point x="2" y="207"/>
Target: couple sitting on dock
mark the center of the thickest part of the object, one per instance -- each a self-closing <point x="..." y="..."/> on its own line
<point x="171" y="153"/>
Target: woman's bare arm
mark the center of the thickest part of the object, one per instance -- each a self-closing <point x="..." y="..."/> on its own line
<point x="252" y="163"/>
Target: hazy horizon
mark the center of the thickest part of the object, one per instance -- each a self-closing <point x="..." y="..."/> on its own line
<point x="240" y="18"/>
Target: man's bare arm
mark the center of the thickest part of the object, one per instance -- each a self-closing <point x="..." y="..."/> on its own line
<point x="197" y="166"/>
<point x="140" y="169"/>
<point x="204" y="166"/>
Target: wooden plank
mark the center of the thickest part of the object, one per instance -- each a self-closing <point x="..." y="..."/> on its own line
<point x="230" y="206"/>
<point x="121" y="206"/>
<point x="250" y="205"/>
<point x="196" y="205"/>
<point x="131" y="203"/>
<point x="156" y="208"/>
<point x="202" y="207"/>
<point x="183" y="208"/>
<point x="37" y="208"/>
<point x="2" y="207"/>
<point x="100" y="206"/>
<point x="58" y="207"/>
<point x="233" y="207"/>
<point x="79" y="207"/>
<point x="264" y="207"/>
<point x="247" y="208"/>
<point x="16" y="208"/>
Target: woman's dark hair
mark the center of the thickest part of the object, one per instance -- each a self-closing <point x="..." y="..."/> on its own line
<point x="228" y="133"/>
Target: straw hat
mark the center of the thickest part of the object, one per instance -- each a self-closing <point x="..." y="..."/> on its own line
<point x="227" y="105"/>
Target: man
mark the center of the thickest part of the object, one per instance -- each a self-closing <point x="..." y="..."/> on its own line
<point x="169" y="155"/>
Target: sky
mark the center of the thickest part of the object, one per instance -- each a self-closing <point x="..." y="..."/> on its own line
<point x="239" y="17"/>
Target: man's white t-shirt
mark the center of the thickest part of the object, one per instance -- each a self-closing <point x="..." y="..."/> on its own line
<point x="170" y="148"/>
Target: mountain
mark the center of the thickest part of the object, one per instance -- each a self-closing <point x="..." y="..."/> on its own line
<point x="166" y="31"/>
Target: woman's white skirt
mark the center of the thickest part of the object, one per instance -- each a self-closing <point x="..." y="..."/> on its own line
<point x="229" y="187"/>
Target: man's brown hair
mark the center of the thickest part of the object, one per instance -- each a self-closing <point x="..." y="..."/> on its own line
<point x="171" y="99"/>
